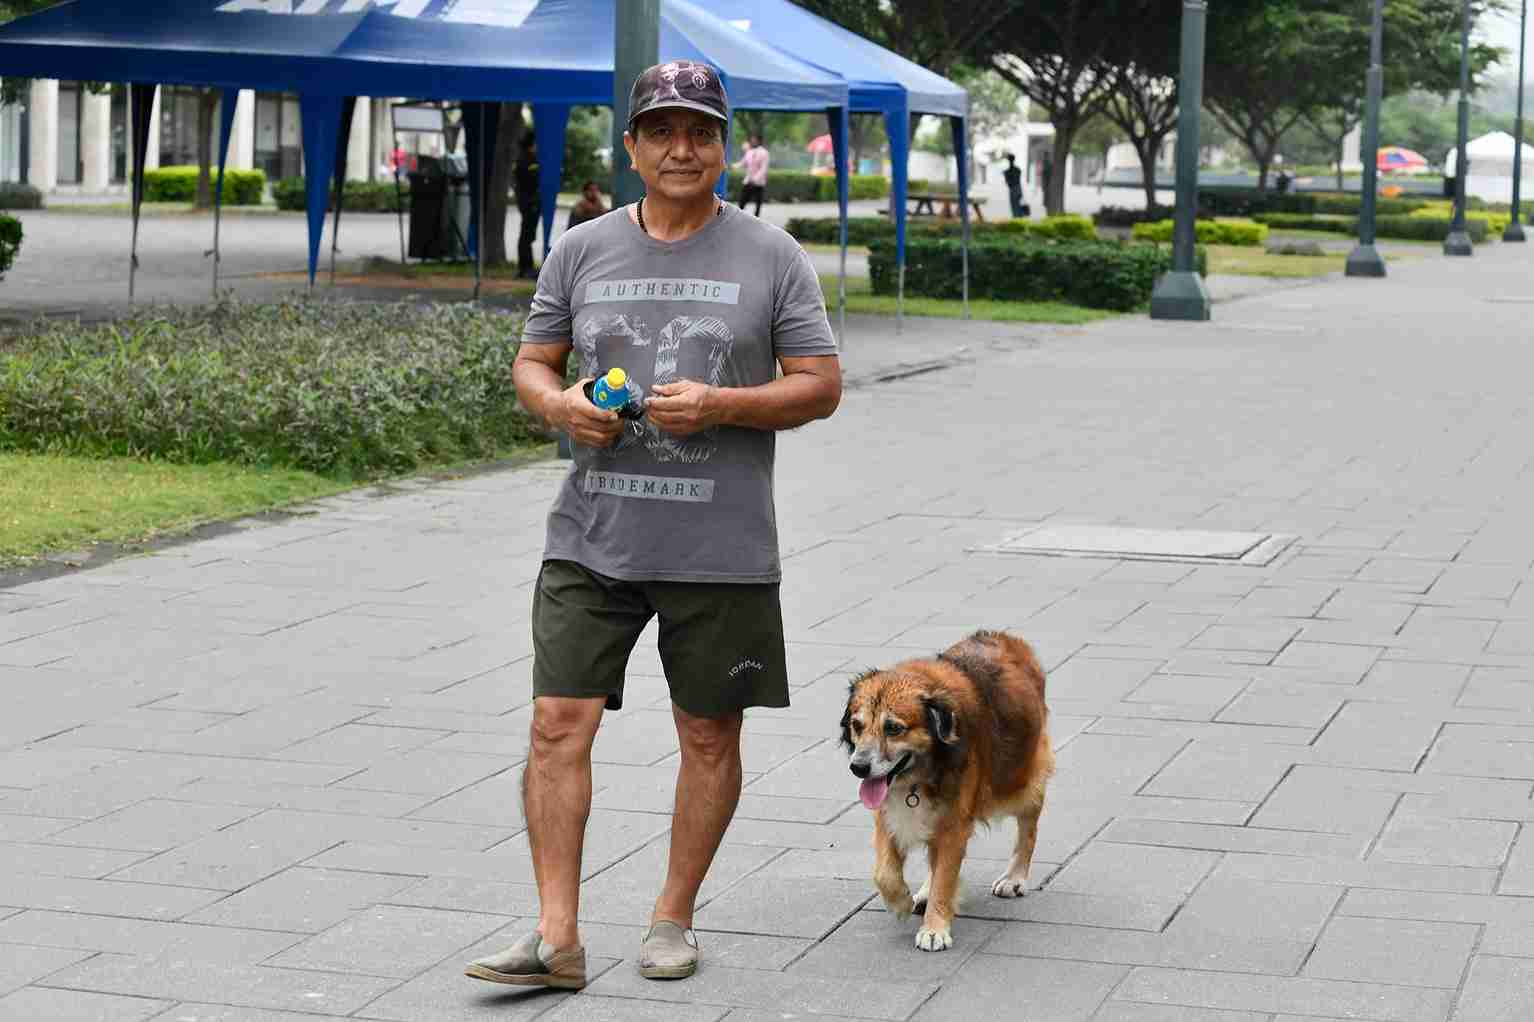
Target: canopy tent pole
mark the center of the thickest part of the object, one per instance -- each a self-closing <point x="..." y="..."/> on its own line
<point x="399" y="195"/>
<point x="321" y="121"/>
<point x="141" y="102"/>
<point x="343" y="150"/>
<point x="550" y="120"/>
<point x="481" y="128"/>
<point x="961" y="157"/>
<point x="227" y="102"/>
<point x="722" y="186"/>
<point x="838" y="119"/>
<point x="897" y="124"/>
<point x="482" y="206"/>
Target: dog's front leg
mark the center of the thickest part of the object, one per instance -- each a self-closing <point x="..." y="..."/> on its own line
<point x="889" y="870"/>
<point x="945" y="853"/>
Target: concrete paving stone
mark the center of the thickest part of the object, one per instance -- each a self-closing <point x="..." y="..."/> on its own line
<point x="1185" y="810"/>
<point x="1256" y="910"/>
<point x="722" y="949"/>
<point x="1378" y="736"/>
<point x="1407" y="573"/>
<point x="152" y="826"/>
<point x="1269" y="638"/>
<point x="1245" y="773"/>
<point x="1483" y="751"/>
<point x="388" y="940"/>
<point x="460" y="894"/>
<point x="1050" y="906"/>
<point x="495" y="801"/>
<point x="144" y="937"/>
<point x="481" y="744"/>
<point x="64" y="861"/>
<point x="765" y="905"/>
<point x="1328" y="656"/>
<point x="819" y="837"/>
<point x="1270" y="601"/>
<point x="1286" y="995"/>
<point x="35" y="1004"/>
<point x="1308" y="710"/>
<point x="103" y="897"/>
<point x="418" y="863"/>
<point x="1518" y="875"/>
<point x="1098" y="680"/>
<point x="1349" y="872"/>
<point x="586" y="1008"/>
<point x="1210" y="733"/>
<point x="428" y="772"/>
<point x="187" y="1011"/>
<point x="1036" y="989"/>
<point x="1189" y="948"/>
<point x="1123" y="1011"/>
<point x="625" y="892"/>
<point x="1496" y="688"/>
<point x="302" y="900"/>
<point x="1511" y="639"/>
<point x="1496" y="989"/>
<point x="301" y="798"/>
<point x="641" y="739"/>
<point x="611" y="836"/>
<point x="1439" y="842"/>
<point x="1134" y="871"/>
<point x="1186" y="689"/>
<point x="1306" y="802"/>
<point x="817" y="771"/>
<point x="21" y="965"/>
<point x="1214" y="838"/>
<point x="444" y="994"/>
<point x="881" y="998"/>
<point x="869" y="943"/>
<point x="1403" y="681"/>
<point x="33" y="765"/>
<point x="356" y="743"/>
<point x="236" y="985"/>
<point x="1394" y="951"/>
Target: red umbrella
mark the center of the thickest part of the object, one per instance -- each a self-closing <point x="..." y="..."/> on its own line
<point x="820" y="144"/>
<point x="1394" y="157"/>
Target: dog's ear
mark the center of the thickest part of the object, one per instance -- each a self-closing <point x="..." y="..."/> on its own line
<point x="846" y="724"/>
<point x="941" y="722"/>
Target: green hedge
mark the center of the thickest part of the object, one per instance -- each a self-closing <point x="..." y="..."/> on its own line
<point x="866" y="229"/>
<point x="10" y="242"/>
<point x="800" y="186"/>
<point x="19" y="196"/>
<point x="361" y="196"/>
<point x="179" y="184"/>
<point x="1249" y="202"/>
<point x="1123" y="216"/>
<point x="345" y="389"/>
<point x="1308" y="222"/>
<point x="1244" y="233"/>
<point x="1094" y="274"/>
<point x="1400" y="227"/>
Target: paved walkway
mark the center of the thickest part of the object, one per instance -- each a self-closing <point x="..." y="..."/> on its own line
<point x="272" y="776"/>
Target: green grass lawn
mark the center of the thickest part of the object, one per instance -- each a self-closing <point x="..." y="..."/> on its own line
<point x="861" y="299"/>
<point x="50" y="502"/>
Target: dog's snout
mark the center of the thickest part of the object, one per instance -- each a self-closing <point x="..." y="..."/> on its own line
<point x="860" y="769"/>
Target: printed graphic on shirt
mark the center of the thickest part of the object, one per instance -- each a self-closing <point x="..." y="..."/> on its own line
<point x="663" y="289"/>
<point x="692" y="491"/>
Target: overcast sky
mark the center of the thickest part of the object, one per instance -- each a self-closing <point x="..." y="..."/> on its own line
<point x="1503" y="31"/>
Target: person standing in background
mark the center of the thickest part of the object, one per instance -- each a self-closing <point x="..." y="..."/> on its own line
<point x="1013" y="176"/>
<point x="529" y="206"/>
<point x="754" y="161"/>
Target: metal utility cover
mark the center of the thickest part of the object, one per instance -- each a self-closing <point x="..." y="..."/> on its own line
<point x="1248" y="548"/>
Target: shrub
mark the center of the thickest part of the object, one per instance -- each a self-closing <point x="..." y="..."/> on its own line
<point x="1064" y="227"/>
<point x="361" y="196"/>
<point x="800" y="186"/>
<point x="10" y="242"/>
<point x="1309" y="222"/>
<point x="179" y="184"/>
<point x="345" y="389"/>
<point x="1415" y="227"/>
<point x="866" y="229"/>
<point x="14" y="195"/>
<point x="1095" y="274"/>
<point x="1210" y="232"/>
<point x="1122" y="216"/>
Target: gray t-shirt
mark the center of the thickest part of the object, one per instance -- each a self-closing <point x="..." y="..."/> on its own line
<point x="719" y="307"/>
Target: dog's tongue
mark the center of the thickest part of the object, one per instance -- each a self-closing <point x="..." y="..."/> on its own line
<point x="874" y="791"/>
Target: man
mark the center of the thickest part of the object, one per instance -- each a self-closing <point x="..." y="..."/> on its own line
<point x="755" y="160"/>
<point x="529" y="205"/>
<point x="670" y="514"/>
<point x="1013" y="176"/>
<point x="588" y="207"/>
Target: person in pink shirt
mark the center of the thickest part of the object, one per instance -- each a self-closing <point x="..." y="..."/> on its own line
<point x="754" y="160"/>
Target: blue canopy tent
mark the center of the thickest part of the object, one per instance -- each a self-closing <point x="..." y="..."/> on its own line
<point x="880" y="82"/>
<point x="553" y="54"/>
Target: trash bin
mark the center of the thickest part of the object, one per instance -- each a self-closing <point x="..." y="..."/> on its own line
<point x="430" y="235"/>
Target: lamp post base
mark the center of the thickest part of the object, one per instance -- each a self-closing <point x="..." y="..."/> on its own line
<point x="1365" y="261"/>
<point x="1180" y="296"/>
<point x="1458" y="243"/>
<point x="1514" y="232"/>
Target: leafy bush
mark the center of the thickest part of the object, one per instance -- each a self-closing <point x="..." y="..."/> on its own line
<point x="1415" y="227"/>
<point x="1309" y="222"/>
<point x="1249" y="202"/>
<point x="10" y="242"/>
<point x="1094" y="274"/>
<point x="1210" y="232"/>
<point x="1123" y="216"/>
<point x="1064" y="227"/>
<point x="179" y="184"/>
<point x="14" y="195"/>
<point x="345" y="389"/>
<point x="866" y="229"/>
<point x="799" y="186"/>
<point x="361" y="196"/>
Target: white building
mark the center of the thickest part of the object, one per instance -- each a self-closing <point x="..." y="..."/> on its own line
<point x="66" y="139"/>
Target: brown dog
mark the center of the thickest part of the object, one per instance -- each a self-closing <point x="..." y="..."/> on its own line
<point x="942" y="745"/>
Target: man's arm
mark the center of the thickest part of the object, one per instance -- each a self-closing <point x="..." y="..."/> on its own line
<point x="809" y="389"/>
<point x="539" y="375"/>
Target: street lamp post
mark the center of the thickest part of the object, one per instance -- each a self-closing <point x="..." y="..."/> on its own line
<point x="1458" y="242"/>
<point x="1365" y="260"/>
<point x="1514" y="230"/>
<point x="636" y="46"/>
<point x="1180" y="294"/>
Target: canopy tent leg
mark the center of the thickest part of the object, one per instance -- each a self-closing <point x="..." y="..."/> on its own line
<point x="226" y="105"/>
<point x="837" y="118"/>
<point x="343" y="149"/>
<point x="961" y="157"/>
<point x="481" y="127"/>
<point x="549" y="123"/>
<point x="321" y="119"/>
<point x="897" y="124"/>
<point x="141" y="102"/>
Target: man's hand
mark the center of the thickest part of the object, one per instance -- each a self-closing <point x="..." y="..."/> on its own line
<point x="585" y="422"/>
<point x="683" y="408"/>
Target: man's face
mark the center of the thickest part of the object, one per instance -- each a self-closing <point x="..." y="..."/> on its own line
<point x="592" y="194"/>
<point x="679" y="154"/>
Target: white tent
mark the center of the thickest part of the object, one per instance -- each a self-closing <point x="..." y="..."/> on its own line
<point x="1491" y="156"/>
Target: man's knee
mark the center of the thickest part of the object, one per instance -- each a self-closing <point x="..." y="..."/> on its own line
<point x="715" y="739"/>
<point x="564" y="726"/>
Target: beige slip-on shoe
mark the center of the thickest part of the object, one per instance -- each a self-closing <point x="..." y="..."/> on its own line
<point x="523" y="965"/>
<point x="668" y="951"/>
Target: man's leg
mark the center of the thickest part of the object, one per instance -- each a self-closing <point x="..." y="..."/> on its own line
<point x="761" y="193"/>
<point x="707" y="791"/>
<point x="556" y="799"/>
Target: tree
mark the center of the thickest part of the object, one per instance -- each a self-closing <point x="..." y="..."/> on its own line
<point x="1096" y="138"/>
<point x="1142" y="100"/>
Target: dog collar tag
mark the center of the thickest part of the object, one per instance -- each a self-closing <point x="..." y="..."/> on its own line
<point x="913" y="800"/>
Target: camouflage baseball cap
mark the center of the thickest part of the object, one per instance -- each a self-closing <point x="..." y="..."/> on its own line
<point x="686" y="84"/>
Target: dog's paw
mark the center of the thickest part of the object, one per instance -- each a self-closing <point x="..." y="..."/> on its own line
<point x="1007" y="887"/>
<point x="919" y="900"/>
<point x="903" y="907"/>
<point x="934" y="940"/>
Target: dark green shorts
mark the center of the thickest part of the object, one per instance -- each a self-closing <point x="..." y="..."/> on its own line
<point x="721" y="643"/>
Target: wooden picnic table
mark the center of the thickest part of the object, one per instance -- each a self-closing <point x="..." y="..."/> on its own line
<point x="925" y="204"/>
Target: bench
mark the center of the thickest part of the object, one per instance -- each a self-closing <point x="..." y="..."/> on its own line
<point x="925" y="204"/>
